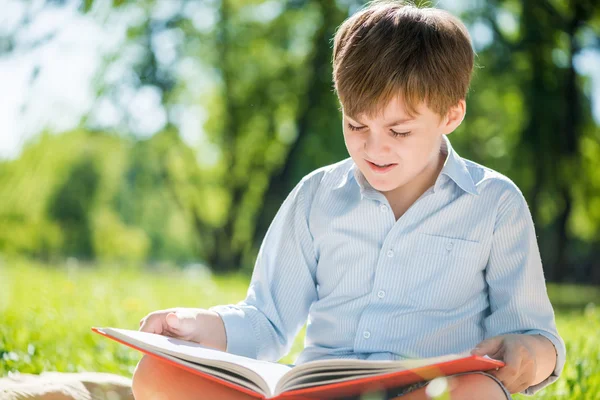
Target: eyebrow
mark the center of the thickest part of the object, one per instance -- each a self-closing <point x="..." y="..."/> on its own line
<point x="398" y="122"/>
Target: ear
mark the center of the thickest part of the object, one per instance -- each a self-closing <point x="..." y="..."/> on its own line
<point x="454" y="117"/>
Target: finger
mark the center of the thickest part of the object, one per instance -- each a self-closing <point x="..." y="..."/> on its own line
<point x="515" y="387"/>
<point x="488" y="347"/>
<point x="519" y="386"/>
<point x="527" y="376"/>
<point x="170" y="334"/>
<point x="173" y="320"/>
<point x="182" y="323"/>
<point x="498" y="355"/>
<point x="152" y="323"/>
<point x="493" y="372"/>
<point x="511" y="371"/>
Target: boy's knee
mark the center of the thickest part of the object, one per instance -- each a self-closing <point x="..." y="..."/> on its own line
<point x="147" y="374"/>
<point x="476" y="386"/>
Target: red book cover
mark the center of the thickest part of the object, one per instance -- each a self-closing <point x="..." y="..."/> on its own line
<point x="376" y="381"/>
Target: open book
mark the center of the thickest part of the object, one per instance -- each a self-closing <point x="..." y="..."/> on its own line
<point x="321" y="379"/>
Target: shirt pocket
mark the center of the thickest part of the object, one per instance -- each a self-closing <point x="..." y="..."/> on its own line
<point x="448" y="246"/>
<point x="445" y="270"/>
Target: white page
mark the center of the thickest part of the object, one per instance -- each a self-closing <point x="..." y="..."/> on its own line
<point x="349" y="367"/>
<point x="265" y="374"/>
<point x="325" y="377"/>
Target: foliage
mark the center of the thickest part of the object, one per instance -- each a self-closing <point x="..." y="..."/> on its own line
<point x="253" y="80"/>
<point x="78" y="195"/>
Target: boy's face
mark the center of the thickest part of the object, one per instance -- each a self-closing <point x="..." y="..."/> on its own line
<point x="410" y="145"/>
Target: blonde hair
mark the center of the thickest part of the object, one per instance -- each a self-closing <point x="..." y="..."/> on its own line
<point x="392" y="49"/>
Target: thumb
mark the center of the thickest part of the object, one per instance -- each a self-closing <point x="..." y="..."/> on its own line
<point x="489" y="346"/>
<point x="182" y="323"/>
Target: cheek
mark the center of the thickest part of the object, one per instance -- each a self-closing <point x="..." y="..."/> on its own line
<point x="353" y="142"/>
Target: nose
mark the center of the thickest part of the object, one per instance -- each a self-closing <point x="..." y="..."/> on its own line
<point x="376" y="145"/>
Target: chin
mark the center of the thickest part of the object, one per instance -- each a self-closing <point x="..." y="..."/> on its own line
<point x="385" y="188"/>
<point x="386" y="185"/>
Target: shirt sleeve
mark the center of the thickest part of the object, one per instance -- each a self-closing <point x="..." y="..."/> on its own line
<point x="518" y="298"/>
<point x="282" y="287"/>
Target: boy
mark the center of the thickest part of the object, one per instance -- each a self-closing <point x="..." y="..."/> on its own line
<point x="403" y="250"/>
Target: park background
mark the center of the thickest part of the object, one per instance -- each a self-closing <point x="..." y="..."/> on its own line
<point x="145" y="146"/>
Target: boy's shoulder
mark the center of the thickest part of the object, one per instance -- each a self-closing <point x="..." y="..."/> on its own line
<point x="329" y="175"/>
<point x="492" y="183"/>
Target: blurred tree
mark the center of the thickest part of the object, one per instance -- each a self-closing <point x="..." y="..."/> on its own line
<point x="70" y="207"/>
<point x="245" y="90"/>
<point x="147" y="177"/>
<point x="318" y="141"/>
<point x="253" y="119"/>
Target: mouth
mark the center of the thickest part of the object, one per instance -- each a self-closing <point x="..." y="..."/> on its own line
<point x="380" y="168"/>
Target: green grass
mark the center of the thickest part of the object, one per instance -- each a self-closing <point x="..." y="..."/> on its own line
<point x="46" y="314"/>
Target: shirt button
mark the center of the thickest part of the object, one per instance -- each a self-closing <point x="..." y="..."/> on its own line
<point x="449" y="246"/>
<point x="366" y="334"/>
<point x="390" y="253"/>
<point x="381" y="294"/>
<point x="383" y="208"/>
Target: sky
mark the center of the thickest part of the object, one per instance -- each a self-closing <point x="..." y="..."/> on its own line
<point x="64" y="88"/>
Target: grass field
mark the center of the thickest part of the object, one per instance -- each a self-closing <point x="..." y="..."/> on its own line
<point x="46" y="314"/>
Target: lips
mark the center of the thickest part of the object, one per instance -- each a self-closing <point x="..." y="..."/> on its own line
<point x="380" y="168"/>
<point x="380" y="164"/>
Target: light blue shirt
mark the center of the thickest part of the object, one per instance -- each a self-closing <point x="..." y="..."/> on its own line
<point x="461" y="265"/>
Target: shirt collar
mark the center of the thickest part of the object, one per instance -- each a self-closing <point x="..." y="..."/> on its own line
<point x="454" y="167"/>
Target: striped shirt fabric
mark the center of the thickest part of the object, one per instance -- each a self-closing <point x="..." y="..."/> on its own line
<point x="462" y="264"/>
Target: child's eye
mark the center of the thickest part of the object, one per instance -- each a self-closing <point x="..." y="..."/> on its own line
<point x="403" y="134"/>
<point x="396" y="134"/>
<point x="354" y="128"/>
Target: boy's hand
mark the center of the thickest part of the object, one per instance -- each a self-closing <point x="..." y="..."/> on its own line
<point x="515" y="350"/>
<point x="194" y="324"/>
